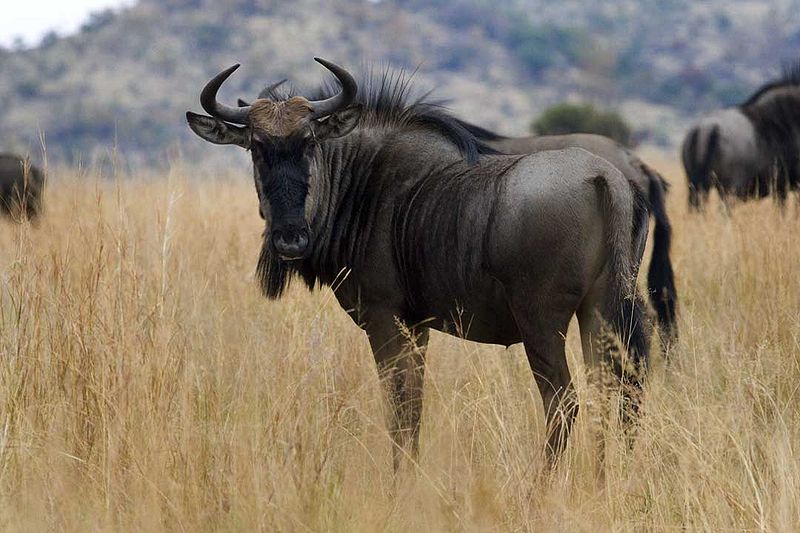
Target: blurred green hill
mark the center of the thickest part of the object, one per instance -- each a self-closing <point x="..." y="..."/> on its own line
<point x="126" y="79"/>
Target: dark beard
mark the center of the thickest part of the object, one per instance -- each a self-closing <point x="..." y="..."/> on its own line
<point x="272" y="272"/>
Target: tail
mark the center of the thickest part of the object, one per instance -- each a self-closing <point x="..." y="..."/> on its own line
<point x="660" y="278"/>
<point x="698" y="169"/>
<point x="627" y="216"/>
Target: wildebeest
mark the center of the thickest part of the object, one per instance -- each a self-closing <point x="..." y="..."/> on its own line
<point x="660" y="277"/>
<point x="748" y="151"/>
<point x="421" y="227"/>
<point x="21" y="187"/>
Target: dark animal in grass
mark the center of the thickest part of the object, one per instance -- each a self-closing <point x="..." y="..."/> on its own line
<point x="419" y="227"/>
<point x="748" y="151"/>
<point x="660" y="277"/>
<point x="21" y="187"/>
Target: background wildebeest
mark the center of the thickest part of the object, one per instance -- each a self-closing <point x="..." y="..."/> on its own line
<point x="438" y="234"/>
<point x="750" y="150"/>
<point x="21" y="187"/>
<point x="660" y="277"/>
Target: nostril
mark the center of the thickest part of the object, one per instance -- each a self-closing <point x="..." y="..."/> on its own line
<point x="291" y="242"/>
<point x="278" y="239"/>
<point x="302" y="239"/>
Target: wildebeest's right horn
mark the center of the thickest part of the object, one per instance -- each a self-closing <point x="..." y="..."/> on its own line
<point x="323" y="108"/>
<point x="208" y="99"/>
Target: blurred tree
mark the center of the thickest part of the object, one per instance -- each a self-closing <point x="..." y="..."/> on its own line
<point x="98" y="20"/>
<point x="582" y="118"/>
<point x="49" y="39"/>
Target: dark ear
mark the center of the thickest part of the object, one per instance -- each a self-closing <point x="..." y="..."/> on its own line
<point x="218" y="132"/>
<point x="339" y="124"/>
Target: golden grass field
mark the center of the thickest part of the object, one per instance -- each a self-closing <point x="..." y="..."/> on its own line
<point x="145" y="384"/>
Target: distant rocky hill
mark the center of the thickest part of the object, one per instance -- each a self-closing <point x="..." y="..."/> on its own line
<point x="126" y="78"/>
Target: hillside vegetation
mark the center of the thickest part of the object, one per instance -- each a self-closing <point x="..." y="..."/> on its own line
<point x="146" y="385"/>
<point x="125" y="80"/>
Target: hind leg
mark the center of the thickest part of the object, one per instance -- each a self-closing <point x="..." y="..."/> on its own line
<point x="694" y="199"/>
<point x="727" y="198"/>
<point x="698" y="197"/>
<point x="543" y="327"/>
<point x="782" y="190"/>
<point x="699" y="190"/>
<point x="616" y="333"/>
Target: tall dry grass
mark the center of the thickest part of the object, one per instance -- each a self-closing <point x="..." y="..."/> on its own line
<point x="146" y="385"/>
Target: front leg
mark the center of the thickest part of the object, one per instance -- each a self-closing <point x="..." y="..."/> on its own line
<point x="794" y="175"/>
<point x="782" y="180"/>
<point x="400" y="356"/>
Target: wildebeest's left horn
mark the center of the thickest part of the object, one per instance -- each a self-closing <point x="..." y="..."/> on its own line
<point x="323" y="108"/>
<point x="208" y="99"/>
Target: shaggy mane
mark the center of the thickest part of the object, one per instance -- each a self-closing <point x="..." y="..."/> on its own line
<point x="790" y="77"/>
<point x="387" y="102"/>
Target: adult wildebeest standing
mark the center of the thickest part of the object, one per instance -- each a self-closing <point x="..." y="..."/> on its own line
<point x="21" y="187"/>
<point x="660" y="277"/>
<point x="750" y="150"/>
<point x="435" y="234"/>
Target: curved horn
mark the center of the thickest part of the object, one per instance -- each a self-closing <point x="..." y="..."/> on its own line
<point x="344" y="98"/>
<point x="267" y="91"/>
<point x="208" y="99"/>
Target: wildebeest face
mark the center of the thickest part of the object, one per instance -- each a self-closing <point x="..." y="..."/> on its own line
<point x="282" y="137"/>
<point x="282" y="169"/>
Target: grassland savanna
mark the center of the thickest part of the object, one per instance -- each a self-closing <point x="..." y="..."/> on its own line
<point x="146" y="384"/>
